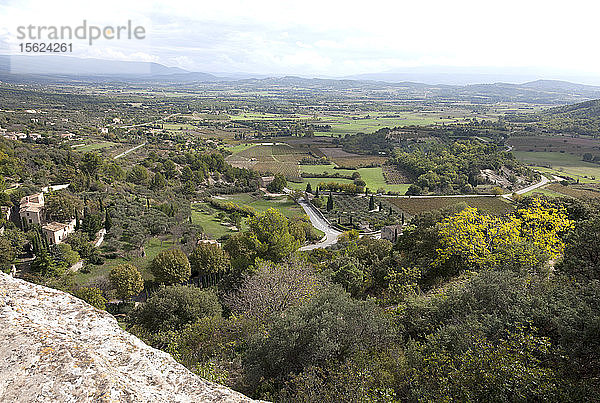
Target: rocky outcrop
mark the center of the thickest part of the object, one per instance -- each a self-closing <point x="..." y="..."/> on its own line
<point x="56" y="348"/>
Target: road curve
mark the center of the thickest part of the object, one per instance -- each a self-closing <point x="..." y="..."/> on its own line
<point x="319" y="223"/>
<point x="542" y="182"/>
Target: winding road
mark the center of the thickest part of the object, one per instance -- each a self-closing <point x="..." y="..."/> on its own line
<point x="321" y="224"/>
<point x="331" y="234"/>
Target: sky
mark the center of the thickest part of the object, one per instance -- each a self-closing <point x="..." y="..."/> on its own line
<point x="329" y="38"/>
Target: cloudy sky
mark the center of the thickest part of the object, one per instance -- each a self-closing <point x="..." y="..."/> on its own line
<point x="329" y="38"/>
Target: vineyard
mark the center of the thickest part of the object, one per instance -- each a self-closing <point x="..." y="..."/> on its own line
<point x="273" y="159"/>
<point x="353" y="212"/>
<point x="395" y="176"/>
<point x="348" y="160"/>
<point x="413" y="206"/>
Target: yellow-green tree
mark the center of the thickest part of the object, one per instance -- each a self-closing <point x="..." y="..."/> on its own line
<point x="482" y="239"/>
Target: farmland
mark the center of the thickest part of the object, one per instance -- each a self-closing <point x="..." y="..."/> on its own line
<point x="353" y="212"/>
<point x="415" y="205"/>
<point x="275" y="159"/>
<point x="558" y="163"/>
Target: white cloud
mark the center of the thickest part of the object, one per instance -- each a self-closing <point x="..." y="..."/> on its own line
<point x="333" y="37"/>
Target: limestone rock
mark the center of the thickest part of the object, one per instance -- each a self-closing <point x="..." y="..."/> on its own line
<point x="56" y="348"/>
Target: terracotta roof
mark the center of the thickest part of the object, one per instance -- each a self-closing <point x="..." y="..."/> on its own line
<point x="54" y="226"/>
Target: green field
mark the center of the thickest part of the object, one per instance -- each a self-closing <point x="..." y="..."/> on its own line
<point x="206" y="216"/>
<point x="152" y="248"/>
<point x="287" y="207"/>
<point x="557" y="163"/>
<point x="95" y="146"/>
<point x="373" y="178"/>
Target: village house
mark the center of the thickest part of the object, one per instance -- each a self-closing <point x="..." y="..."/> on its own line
<point x="391" y="232"/>
<point x="264" y="181"/>
<point x="56" y="232"/>
<point x="31" y="208"/>
<point x="208" y="241"/>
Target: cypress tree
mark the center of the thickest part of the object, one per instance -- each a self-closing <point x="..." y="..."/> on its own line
<point x="107" y="221"/>
<point x="330" y="202"/>
<point x="371" y="203"/>
<point x="308" y="188"/>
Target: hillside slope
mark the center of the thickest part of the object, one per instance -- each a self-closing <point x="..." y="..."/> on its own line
<point x="56" y="347"/>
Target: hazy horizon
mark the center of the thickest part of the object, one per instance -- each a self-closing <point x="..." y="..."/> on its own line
<point x="533" y="40"/>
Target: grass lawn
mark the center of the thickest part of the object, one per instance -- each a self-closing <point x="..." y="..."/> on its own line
<point x="373" y="178"/>
<point x="153" y="247"/>
<point x="95" y="146"/>
<point x="206" y="216"/>
<point x="324" y="169"/>
<point x="287" y="207"/>
<point x="239" y="147"/>
<point x="561" y="164"/>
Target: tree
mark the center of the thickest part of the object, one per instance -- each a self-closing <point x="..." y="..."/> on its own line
<point x="127" y="280"/>
<point x="92" y="296"/>
<point x="171" y="267"/>
<point x="272" y="234"/>
<point x="107" y="221"/>
<point x="481" y="239"/>
<point x="173" y="307"/>
<point x="330" y="202"/>
<point x="308" y="188"/>
<point x="582" y="253"/>
<point x="158" y="181"/>
<point x="326" y="330"/>
<point x="91" y="163"/>
<point x="8" y="253"/>
<point x="274" y="288"/>
<point x="371" y="203"/>
<point x="62" y="206"/>
<point x="138" y="175"/>
<point x="209" y="259"/>
<point x="414" y="190"/>
<point x="277" y="184"/>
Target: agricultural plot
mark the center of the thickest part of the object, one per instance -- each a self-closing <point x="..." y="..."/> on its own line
<point x="562" y="144"/>
<point x="350" y="160"/>
<point x="100" y="145"/>
<point x="341" y="125"/>
<point x="276" y="159"/>
<point x="373" y="178"/>
<point x="353" y="212"/>
<point x="286" y="206"/>
<point x="416" y="205"/>
<point x="557" y="163"/>
<point x="375" y="181"/>
<point x="578" y="192"/>
<point x="394" y="176"/>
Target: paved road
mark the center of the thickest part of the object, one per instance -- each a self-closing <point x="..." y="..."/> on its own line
<point x="331" y="233"/>
<point x="128" y="151"/>
<point x="542" y="182"/>
<point x="319" y="223"/>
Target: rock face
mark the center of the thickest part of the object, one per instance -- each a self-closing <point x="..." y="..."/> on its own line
<point x="56" y="348"/>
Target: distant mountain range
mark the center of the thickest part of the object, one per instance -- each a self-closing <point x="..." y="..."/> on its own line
<point x="419" y="83"/>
